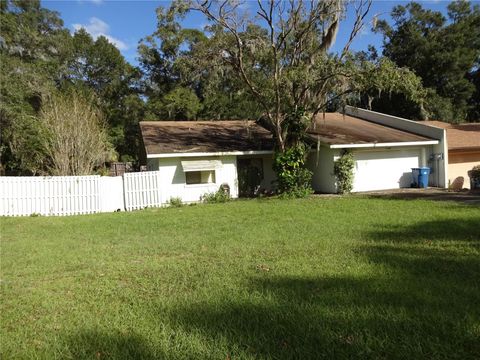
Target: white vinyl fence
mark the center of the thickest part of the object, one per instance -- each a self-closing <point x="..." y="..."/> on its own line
<point x="142" y="190"/>
<point x="70" y="195"/>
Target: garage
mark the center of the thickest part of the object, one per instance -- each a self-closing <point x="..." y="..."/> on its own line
<point x="385" y="149"/>
<point x="387" y="169"/>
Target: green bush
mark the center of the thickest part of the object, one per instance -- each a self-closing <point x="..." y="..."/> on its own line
<point x="343" y="171"/>
<point x="175" y="202"/>
<point x="475" y="172"/>
<point x="220" y="196"/>
<point x="474" y="176"/>
<point x="293" y="179"/>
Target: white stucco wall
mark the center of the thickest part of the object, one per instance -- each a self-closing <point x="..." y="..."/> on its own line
<point x="321" y="164"/>
<point x="173" y="183"/>
<point x="375" y="169"/>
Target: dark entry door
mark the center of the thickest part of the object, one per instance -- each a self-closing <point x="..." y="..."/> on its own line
<point x="250" y="176"/>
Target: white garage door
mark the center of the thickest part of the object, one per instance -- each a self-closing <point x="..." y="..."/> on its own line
<point x="381" y="170"/>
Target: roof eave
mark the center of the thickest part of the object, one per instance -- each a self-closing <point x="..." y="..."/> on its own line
<point x="383" y="145"/>
<point x="218" y="153"/>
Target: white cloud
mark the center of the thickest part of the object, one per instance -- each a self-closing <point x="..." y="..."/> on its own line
<point x="96" y="28"/>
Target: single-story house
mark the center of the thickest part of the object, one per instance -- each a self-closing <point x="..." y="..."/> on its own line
<point x="463" y="150"/>
<point x="196" y="157"/>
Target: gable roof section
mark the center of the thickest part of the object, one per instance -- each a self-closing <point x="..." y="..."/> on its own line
<point x="460" y="137"/>
<point x="163" y="138"/>
<point x="338" y="131"/>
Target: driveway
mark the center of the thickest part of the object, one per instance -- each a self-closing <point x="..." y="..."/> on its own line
<point x="465" y="197"/>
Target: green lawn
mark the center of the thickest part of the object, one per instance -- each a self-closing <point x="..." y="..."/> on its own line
<point x="260" y="279"/>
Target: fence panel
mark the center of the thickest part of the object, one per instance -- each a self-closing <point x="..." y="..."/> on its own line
<point x="111" y="194"/>
<point x="142" y="190"/>
<point x="52" y="195"/>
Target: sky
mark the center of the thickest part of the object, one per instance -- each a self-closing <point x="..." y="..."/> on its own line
<point x="125" y="22"/>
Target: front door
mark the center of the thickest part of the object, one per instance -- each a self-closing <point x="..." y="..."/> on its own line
<point x="250" y="176"/>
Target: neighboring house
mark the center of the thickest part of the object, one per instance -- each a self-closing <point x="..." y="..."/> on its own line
<point x="463" y="150"/>
<point x="196" y="157"/>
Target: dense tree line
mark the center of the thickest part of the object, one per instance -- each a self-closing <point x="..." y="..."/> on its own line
<point x="41" y="60"/>
<point x="444" y="51"/>
<point x="429" y="68"/>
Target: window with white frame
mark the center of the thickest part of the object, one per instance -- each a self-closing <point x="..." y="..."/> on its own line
<point x="200" y="177"/>
<point x="200" y="171"/>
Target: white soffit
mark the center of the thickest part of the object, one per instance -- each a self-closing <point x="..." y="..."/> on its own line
<point x="201" y="165"/>
<point x="380" y="145"/>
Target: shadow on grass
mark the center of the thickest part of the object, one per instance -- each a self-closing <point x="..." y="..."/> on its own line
<point x="419" y="301"/>
<point x="418" y="298"/>
<point x="433" y="250"/>
<point x="100" y="345"/>
<point x="460" y="229"/>
<point x="467" y="198"/>
<point x="342" y="318"/>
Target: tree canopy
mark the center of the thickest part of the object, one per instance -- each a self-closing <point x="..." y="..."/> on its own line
<point x="444" y="51"/>
<point x="32" y="49"/>
<point x="277" y="61"/>
<point x="39" y="57"/>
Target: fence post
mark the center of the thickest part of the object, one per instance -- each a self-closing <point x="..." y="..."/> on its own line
<point x="125" y="191"/>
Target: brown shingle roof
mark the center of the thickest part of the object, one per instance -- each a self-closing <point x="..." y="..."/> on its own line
<point x="460" y="136"/>
<point x="164" y="137"/>
<point x="339" y="129"/>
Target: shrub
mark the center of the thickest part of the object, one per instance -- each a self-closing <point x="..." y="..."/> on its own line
<point x="293" y="179"/>
<point x="474" y="176"/>
<point x="297" y="193"/>
<point x="175" y="202"/>
<point x="77" y="139"/>
<point x="343" y="171"/>
<point x="475" y="172"/>
<point x="220" y="196"/>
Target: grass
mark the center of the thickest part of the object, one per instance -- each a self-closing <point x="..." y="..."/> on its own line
<point x="340" y="277"/>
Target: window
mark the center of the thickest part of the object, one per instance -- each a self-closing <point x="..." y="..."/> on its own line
<point x="200" y="177"/>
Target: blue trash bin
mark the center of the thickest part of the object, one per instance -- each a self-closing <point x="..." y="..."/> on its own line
<point x="420" y="177"/>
